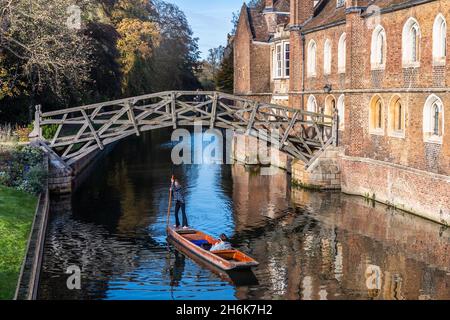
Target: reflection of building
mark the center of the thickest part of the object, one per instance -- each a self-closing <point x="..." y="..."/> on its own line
<point x="257" y="197"/>
<point x="343" y="247"/>
<point x="383" y="65"/>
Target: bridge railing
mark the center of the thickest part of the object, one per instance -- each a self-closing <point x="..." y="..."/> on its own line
<point x="82" y="130"/>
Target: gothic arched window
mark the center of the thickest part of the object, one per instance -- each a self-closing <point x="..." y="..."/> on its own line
<point x="376" y="123"/>
<point x="433" y="119"/>
<point x="411" y="43"/>
<point x="396" y="117"/>
<point x="312" y="55"/>
<point x="439" y="39"/>
<point x="342" y="47"/>
<point x="378" y="48"/>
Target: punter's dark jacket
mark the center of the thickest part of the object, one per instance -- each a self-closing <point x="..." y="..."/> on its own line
<point x="177" y="192"/>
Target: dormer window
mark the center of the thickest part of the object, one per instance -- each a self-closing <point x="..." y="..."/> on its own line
<point x="340" y="3"/>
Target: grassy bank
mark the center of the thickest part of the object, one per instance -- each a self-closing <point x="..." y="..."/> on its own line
<point x="16" y="217"/>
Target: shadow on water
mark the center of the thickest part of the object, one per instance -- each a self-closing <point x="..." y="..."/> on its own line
<point x="309" y="245"/>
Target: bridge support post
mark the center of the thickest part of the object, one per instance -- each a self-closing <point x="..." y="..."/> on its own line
<point x="335" y="128"/>
<point x="173" y="106"/>
<point x="213" y="111"/>
<point x="36" y="134"/>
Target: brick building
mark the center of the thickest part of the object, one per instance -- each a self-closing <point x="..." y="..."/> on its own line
<point x="384" y="66"/>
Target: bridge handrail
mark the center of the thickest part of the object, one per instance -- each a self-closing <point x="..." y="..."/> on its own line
<point x="93" y="126"/>
<point x="168" y="94"/>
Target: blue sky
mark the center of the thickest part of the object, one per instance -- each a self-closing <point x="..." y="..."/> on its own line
<point x="210" y="20"/>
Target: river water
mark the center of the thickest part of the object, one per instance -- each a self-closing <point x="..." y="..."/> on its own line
<point x="310" y="245"/>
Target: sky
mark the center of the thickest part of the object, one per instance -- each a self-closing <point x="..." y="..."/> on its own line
<point x="210" y="20"/>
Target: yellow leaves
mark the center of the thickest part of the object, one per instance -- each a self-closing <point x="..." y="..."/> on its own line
<point x="137" y="40"/>
<point x="130" y="8"/>
<point x="9" y="86"/>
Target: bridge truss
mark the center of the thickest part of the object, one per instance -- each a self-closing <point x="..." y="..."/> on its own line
<point x="82" y="130"/>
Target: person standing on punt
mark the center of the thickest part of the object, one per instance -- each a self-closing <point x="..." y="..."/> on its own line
<point x="178" y="196"/>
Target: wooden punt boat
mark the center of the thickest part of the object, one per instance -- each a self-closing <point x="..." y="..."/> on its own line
<point x="238" y="277"/>
<point x="227" y="260"/>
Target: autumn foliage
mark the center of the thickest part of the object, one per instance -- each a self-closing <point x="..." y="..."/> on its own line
<point x="62" y="53"/>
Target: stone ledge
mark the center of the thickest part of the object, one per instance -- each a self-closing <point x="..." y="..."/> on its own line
<point x="398" y="166"/>
<point x="28" y="282"/>
<point x="423" y="194"/>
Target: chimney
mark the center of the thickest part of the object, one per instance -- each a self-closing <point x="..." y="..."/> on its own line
<point x="301" y="11"/>
<point x="270" y="16"/>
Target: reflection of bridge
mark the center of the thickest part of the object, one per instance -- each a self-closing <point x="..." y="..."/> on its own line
<point x="82" y="130"/>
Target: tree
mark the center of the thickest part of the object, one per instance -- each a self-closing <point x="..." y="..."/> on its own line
<point x="176" y="61"/>
<point x="225" y="75"/>
<point x="44" y="44"/>
<point x="205" y="76"/>
<point x="139" y="35"/>
<point x="59" y="55"/>
<point x="10" y="84"/>
<point x="214" y="59"/>
<point x="137" y="40"/>
<point x="106" y="75"/>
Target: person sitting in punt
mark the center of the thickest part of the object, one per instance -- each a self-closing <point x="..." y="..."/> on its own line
<point x="223" y="244"/>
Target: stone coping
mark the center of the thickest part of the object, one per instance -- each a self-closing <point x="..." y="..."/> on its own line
<point x="27" y="284"/>
<point x="398" y="166"/>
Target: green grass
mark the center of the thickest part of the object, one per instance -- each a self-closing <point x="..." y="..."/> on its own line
<point x="16" y="217"/>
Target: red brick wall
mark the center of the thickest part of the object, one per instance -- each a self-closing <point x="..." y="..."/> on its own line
<point x="296" y="69"/>
<point x="260" y="68"/>
<point x="411" y="150"/>
<point x="242" y="44"/>
<point x="359" y="84"/>
<point x="251" y="63"/>
<point x="301" y="11"/>
<point x="427" y="195"/>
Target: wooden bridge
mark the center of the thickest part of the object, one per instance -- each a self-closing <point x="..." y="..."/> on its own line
<point x="82" y="130"/>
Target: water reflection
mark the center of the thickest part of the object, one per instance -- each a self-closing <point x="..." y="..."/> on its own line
<point x="310" y="245"/>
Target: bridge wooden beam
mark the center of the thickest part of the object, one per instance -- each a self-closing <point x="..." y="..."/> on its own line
<point x="58" y="130"/>
<point x="213" y="110"/>
<point x="252" y="117"/>
<point x="173" y="105"/>
<point x="289" y="128"/>
<point x="175" y="108"/>
<point x="91" y="127"/>
<point x="132" y="119"/>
